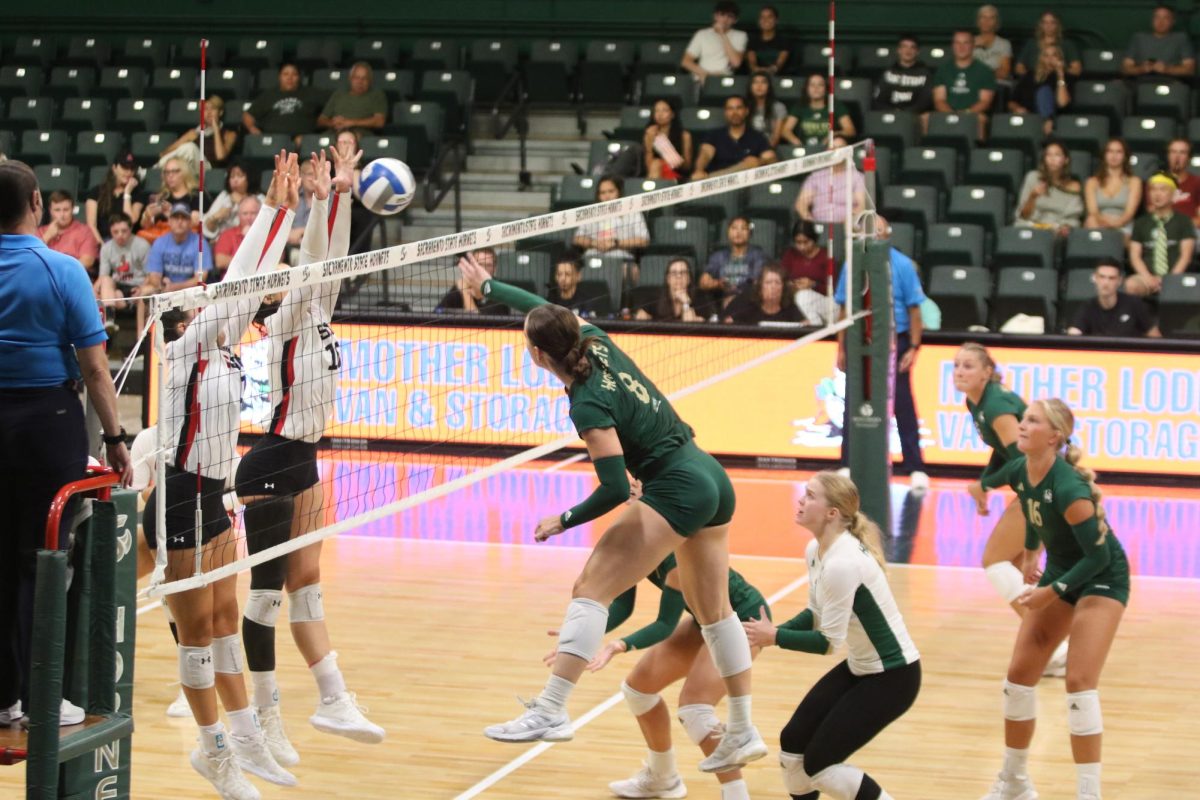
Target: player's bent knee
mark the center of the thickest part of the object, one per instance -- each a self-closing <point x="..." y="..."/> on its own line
<point x="196" y="670"/>
<point x="639" y="702"/>
<point x="1083" y="713"/>
<point x="699" y="721"/>
<point x="582" y="631"/>
<point x="1020" y="702"/>
<point x="728" y="645"/>
<point x="263" y="606"/>
<point x="306" y="604"/>
<point x="838" y="780"/>
<point x="795" y="779"/>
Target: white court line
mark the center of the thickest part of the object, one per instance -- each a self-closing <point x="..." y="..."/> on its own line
<point x="537" y="750"/>
<point x="149" y="607"/>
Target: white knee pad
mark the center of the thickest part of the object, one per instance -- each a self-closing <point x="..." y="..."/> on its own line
<point x="227" y="654"/>
<point x="1083" y="713"/>
<point x="306" y="605"/>
<point x="582" y="631"/>
<point x="728" y="646"/>
<point x="196" y="667"/>
<point x="699" y="721"/>
<point x="263" y="606"/>
<point x="639" y="702"/>
<point x="841" y="781"/>
<point x="1020" y="702"/>
<point x="795" y="779"/>
<point x="1006" y="579"/>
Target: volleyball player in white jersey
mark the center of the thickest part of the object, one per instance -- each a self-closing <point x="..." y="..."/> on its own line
<point x="281" y="489"/>
<point x="849" y="600"/>
<point x="203" y="400"/>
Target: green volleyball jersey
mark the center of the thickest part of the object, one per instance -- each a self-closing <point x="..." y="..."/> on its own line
<point x="618" y="395"/>
<point x="995" y="403"/>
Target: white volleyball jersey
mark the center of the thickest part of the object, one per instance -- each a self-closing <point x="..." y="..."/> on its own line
<point x="305" y="356"/>
<point x="204" y="379"/>
<point x="852" y="602"/>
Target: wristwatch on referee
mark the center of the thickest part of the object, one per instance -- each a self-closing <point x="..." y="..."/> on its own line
<point x="119" y="438"/>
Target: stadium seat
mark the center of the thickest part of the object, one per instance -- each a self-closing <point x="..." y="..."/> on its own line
<point x="717" y="88"/>
<point x="54" y="177"/>
<point x="1018" y="131"/>
<point x="34" y="50"/>
<point x="894" y="129"/>
<point x="1109" y="98"/>
<point x="934" y="57"/>
<point x="929" y="166"/>
<point x="980" y="205"/>
<point x="1163" y="99"/>
<point x="374" y="147"/>
<point x="17" y="81"/>
<point x="1082" y="163"/>
<point x="1100" y="63"/>
<point x="1148" y="133"/>
<point x="609" y="271"/>
<point x="962" y="294"/>
<point x="321" y="52"/>
<point x="643" y="185"/>
<point x="434" y="54"/>
<point x="214" y="180"/>
<point x="137" y="115"/>
<point x="996" y="166"/>
<point x="1086" y="246"/>
<point x="1024" y="247"/>
<point x="8" y="142"/>
<point x="673" y="87"/>
<point x="491" y="63"/>
<point x="421" y="125"/>
<point x="259" y="150"/>
<point x="376" y="51"/>
<point x="147" y="52"/>
<point x="312" y="142"/>
<point x="96" y="148"/>
<point x="700" y="121"/>
<point x="884" y="158"/>
<point x="330" y="79"/>
<point x="956" y="130"/>
<point x="229" y="82"/>
<point x="530" y="266"/>
<point x="1020" y="290"/>
<point x="953" y="243"/>
<point x="1145" y="164"/>
<point x="257" y="52"/>
<point x="601" y="153"/>
<point x="556" y="244"/>
<point x="187" y="53"/>
<point x="1086" y="132"/>
<point x="775" y="200"/>
<point x="397" y="84"/>
<point x="632" y="122"/>
<point x="856" y="94"/>
<point x="84" y="114"/>
<point x="903" y="237"/>
<point x="95" y="177"/>
<point x="815" y="58"/>
<point x="1179" y="305"/>
<point x="682" y="236"/>
<point x="653" y="269"/>
<point x="603" y="75"/>
<point x="172" y="83"/>
<point x="1079" y="290"/>
<point x="915" y="204"/>
<point x="573" y="191"/>
<point x="29" y="112"/>
<point x="453" y="89"/>
<point x="183" y="114"/>
<point x="870" y="60"/>
<point x="550" y="72"/>
<point x="87" y="51"/>
<point x="789" y="89"/>
<point x="658" y="57"/>
<point x="118" y="82"/>
<point x="70" y="82"/>
<point x="146" y="147"/>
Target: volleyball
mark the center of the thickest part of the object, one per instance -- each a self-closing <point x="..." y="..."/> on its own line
<point x="386" y="186"/>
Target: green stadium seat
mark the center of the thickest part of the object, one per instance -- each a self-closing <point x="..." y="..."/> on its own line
<point x="701" y="121"/>
<point x="643" y="185"/>
<point x="915" y="204"/>
<point x="229" y="82"/>
<point x="87" y="51"/>
<point x="95" y="177"/>
<point x="681" y="236"/>
<point x="1020" y="290"/>
<point x="1149" y="133"/>
<point x="1078" y="291"/>
<point x="312" y="142"/>
<point x="775" y="200"/>
<point x="374" y="147"/>
<point x="1107" y="97"/>
<point x="903" y="237"/>
<point x="717" y="88"/>
<point x="832" y="238"/>
<point x="673" y="87"/>
<point x="452" y="89"/>
<point x="29" y="112"/>
<point x="653" y="271"/>
<point x="434" y="54"/>
<point x="929" y="166"/>
<point x="118" y="82"/>
<point x="183" y="114"/>
<point x="57" y="177"/>
<point x="604" y="72"/>
<point x="8" y="142"/>
<point x="856" y="93"/>
<point x="491" y="63"/>
<point x="1018" y="131"/>
<point x="34" y="50"/>
<point x="529" y="266"/>
<point x="397" y="84"/>
<point x="44" y="147"/>
<point x="980" y="205"/>
<point x="259" y="150"/>
<point x="953" y="243"/>
<point x="996" y="166"/>
<point x="147" y="52"/>
<point x="187" y="53"/>
<point x="22" y="81"/>
<point x="314" y="53"/>
<point x="376" y="51"/>
<point x="1024" y="247"/>
<point x="1087" y="246"/>
<point x="657" y="57"/>
<point x="214" y="180"/>
<point x="97" y="148"/>
<point x="421" y="125"/>
<point x="1163" y="99"/>
<point x="934" y="57"/>
<point x="72" y="81"/>
<point x="1101" y="63"/>
<point x="789" y="89"/>
<point x="601" y="153"/>
<point x="609" y="272"/>
<point x="330" y="79"/>
<point x="1179" y="305"/>
<point x="894" y="129"/>
<point x="1145" y="164"/>
<point x="550" y="72"/>
<point x="174" y="83"/>
<point x="137" y="115"/>
<point x="815" y="58"/>
<point x="84" y="114"/>
<point x="962" y="294"/>
<point x="956" y="130"/>
<point x="257" y="52"/>
<point x="632" y="123"/>
<point x="1087" y="132"/>
<point x="574" y="191"/>
<point x="870" y="60"/>
<point x="1082" y="163"/>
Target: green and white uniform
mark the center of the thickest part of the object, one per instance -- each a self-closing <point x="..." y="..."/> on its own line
<point x="996" y="402"/>
<point x="746" y="600"/>
<point x="849" y="600"/>
<point x="679" y="480"/>
<point x="1079" y="561"/>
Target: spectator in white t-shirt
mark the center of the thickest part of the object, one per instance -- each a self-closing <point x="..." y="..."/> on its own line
<point x="717" y="50"/>
<point x="612" y="237"/>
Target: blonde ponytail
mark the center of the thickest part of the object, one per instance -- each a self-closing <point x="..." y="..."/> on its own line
<point x="869" y="535"/>
<point x="842" y="494"/>
<point x="1059" y="415"/>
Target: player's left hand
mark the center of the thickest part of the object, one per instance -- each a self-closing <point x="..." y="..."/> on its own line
<point x="550" y="526"/>
<point x="760" y="632"/>
<point x="979" y="495"/>
<point x="605" y="655"/>
<point x="323" y="177"/>
<point x="1038" y="598"/>
<point x="343" y="168"/>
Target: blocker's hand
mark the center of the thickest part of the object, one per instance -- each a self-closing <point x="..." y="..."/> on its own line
<point x="760" y="632"/>
<point x="550" y="526"/>
<point x="473" y="275"/>
<point x="343" y="169"/>
<point x="324" y="178"/>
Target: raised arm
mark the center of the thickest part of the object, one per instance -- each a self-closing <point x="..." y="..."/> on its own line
<point x="314" y="247"/>
<point x="339" y="225"/>
<point x="476" y="279"/>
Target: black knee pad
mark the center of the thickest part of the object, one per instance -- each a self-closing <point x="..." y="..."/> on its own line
<point x="868" y="789"/>
<point x="268" y="523"/>
<point x="809" y="796"/>
<point x="259" y="641"/>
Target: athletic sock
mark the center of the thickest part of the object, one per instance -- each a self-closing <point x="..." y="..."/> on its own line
<point x="212" y="738"/>
<point x="735" y="790"/>
<point x="739" y="713"/>
<point x="1016" y="762"/>
<point x="661" y="764"/>
<point x="243" y="722"/>
<point x="266" y="691"/>
<point x="1088" y="778"/>
<point x="554" y="697"/>
<point x="329" y="678"/>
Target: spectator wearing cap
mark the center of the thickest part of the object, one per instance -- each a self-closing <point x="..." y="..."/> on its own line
<point x="120" y="192"/>
<point x="65" y="234"/>
<point x="1162" y="52"/>
<point x="717" y="49"/>
<point x="1163" y="240"/>
<point x="361" y="109"/>
<point x="1112" y="312"/>
<point x="172" y="261"/>
<point x="290" y="109"/>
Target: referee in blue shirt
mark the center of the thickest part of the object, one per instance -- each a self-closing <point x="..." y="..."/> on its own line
<point x="907" y="297"/>
<point x="51" y="338"/>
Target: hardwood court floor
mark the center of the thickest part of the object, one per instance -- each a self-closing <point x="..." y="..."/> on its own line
<point x="438" y="637"/>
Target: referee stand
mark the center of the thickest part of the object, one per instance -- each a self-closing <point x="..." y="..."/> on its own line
<point x="83" y="648"/>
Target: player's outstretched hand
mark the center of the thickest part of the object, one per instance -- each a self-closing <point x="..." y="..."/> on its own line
<point x="322" y="169"/>
<point x="343" y="169"/>
<point x="293" y="180"/>
<point x="473" y="275"/>
<point x="606" y="655"/>
<point x="550" y="526"/>
<point x="760" y="632"/>
<point x="548" y="659"/>
<point x="979" y="495"/>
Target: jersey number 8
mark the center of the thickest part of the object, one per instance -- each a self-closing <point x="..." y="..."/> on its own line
<point x="638" y="389"/>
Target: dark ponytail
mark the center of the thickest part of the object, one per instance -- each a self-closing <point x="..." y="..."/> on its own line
<point x="555" y="331"/>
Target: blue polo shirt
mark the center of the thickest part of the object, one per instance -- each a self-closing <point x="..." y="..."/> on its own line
<point x="730" y="151"/>
<point x="175" y="261"/>
<point x="906" y="288"/>
<point x="47" y="308"/>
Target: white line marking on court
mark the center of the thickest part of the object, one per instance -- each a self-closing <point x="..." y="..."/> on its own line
<point x="149" y="607"/>
<point x="541" y="747"/>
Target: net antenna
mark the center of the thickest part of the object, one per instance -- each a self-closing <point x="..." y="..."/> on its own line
<point x="404" y="362"/>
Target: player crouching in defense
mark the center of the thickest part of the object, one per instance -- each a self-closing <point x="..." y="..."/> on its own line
<point x="1083" y="592"/>
<point x="849" y="600"/>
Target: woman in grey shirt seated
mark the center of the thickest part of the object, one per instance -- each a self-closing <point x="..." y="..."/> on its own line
<point x="993" y="50"/>
<point x="1114" y="194"/>
<point x="1051" y="197"/>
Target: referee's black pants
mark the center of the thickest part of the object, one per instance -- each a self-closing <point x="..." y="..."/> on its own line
<point x="905" y="409"/>
<point x="43" y="446"/>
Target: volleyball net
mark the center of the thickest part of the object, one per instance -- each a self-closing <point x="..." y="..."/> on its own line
<point x="431" y="389"/>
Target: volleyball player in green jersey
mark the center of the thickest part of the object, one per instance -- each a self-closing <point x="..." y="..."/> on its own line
<point x="673" y="644"/>
<point x="996" y="413"/>
<point x="686" y="506"/>
<point x="1083" y="591"/>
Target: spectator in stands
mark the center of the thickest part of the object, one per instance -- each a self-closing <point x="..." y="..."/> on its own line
<point x="171" y="262"/>
<point x="618" y="237"/>
<point x="361" y="109"/>
<point x="1187" y="195"/>
<point x="1161" y="52"/>
<point x="733" y="148"/>
<point x="123" y="267"/>
<point x="219" y="140"/>
<point x="223" y="214"/>
<point x="231" y="238"/>
<point x="717" y="49"/>
<point x="768" y="50"/>
<point x="1044" y="90"/>
<point x="1048" y="32"/>
<point x="679" y="300"/>
<point x="1051" y="197"/>
<point x="1112" y="312"/>
<point x="767" y="114"/>
<point x="308" y="185"/>
<point x="119" y="193"/>
<point x="1112" y="196"/>
<point x="993" y="50"/>
<point x="65" y="234"/>
<point x="822" y="198"/>
<point x="1163" y="241"/>
<point x="907" y="85"/>
<point x="767" y="301"/>
<point x="179" y="187"/>
<point x="290" y="109"/>
<point x="807" y="266"/>
<point x="734" y="268"/>
<point x="668" y="146"/>
<point x="963" y="83"/>
<point x="808" y="124"/>
<point x="568" y="273"/>
<point x="457" y="300"/>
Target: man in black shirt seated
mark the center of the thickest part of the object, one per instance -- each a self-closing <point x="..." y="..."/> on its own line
<point x="1112" y="313"/>
<point x="456" y="300"/>
<point x="905" y="85"/>
<point x="590" y="299"/>
<point x="733" y="148"/>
